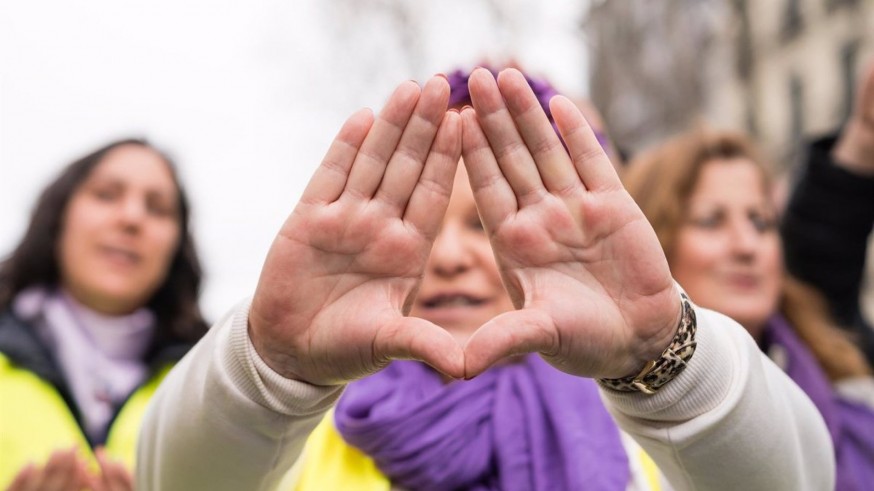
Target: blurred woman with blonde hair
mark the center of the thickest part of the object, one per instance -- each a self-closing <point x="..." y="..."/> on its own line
<point x="708" y="195"/>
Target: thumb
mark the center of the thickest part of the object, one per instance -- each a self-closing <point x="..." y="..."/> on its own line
<point x="411" y="338"/>
<point x="512" y="333"/>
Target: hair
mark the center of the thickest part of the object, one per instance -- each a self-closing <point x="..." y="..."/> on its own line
<point x="35" y="260"/>
<point x="661" y="181"/>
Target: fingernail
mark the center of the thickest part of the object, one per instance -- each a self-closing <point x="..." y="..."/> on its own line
<point x="442" y="75"/>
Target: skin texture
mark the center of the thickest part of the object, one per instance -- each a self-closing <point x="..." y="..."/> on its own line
<point x="585" y="273"/>
<point x="121" y="229"/>
<point x="727" y="254"/>
<point x="855" y="147"/>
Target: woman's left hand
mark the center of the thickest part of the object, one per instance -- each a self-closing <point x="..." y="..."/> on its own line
<point x="582" y="264"/>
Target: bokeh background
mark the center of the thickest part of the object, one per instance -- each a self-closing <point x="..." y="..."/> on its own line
<point x="247" y="95"/>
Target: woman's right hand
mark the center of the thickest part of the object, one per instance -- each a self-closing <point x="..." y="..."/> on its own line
<point x="64" y="471"/>
<point x="343" y="270"/>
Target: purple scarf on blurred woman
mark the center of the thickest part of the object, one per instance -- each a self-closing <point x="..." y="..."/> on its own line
<point x="521" y="426"/>
<point x="851" y="425"/>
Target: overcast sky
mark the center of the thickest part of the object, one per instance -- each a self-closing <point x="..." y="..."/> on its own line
<point x="245" y="95"/>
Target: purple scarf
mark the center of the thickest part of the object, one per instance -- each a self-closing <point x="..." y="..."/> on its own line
<point x="521" y="426"/>
<point x="851" y="425"/>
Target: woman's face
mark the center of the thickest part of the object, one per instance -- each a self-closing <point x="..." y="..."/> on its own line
<point x="120" y="231"/>
<point x="727" y="253"/>
<point x="462" y="287"/>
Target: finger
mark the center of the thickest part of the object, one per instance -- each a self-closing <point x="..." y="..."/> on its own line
<point x="409" y="158"/>
<point x="555" y="166"/>
<point x="26" y="480"/>
<point x="510" y="151"/>
<point x="330" y="177"/>
<point x="86" y="479"/>
<point x="589" y="159"/>
<point x="411" y="338"/>
<point x="494" y="197"/>
<point x="381" y="142"/>
<point x="431" y="196"/>
<point x="59" y="471"/>
<point x="114" y="475"/>
<point x="512" y="333"/>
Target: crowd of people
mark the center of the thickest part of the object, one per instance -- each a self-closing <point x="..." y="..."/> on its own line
<point x="471" y="293"/>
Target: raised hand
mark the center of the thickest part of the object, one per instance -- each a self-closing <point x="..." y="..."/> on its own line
<point x="855" y="147"/>
<point x="342" y="272"/>
<point x="583" y="266"/>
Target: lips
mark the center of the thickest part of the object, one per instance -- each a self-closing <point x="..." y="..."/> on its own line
<point x="120" y="255"/>
<point x="743" y="280"/>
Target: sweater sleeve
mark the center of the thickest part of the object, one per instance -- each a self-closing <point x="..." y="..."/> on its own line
<point x="223" y="420"/>
<point x="731" y="420"/>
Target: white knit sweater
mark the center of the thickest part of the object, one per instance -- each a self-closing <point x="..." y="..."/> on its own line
<point x="732" y="420"/>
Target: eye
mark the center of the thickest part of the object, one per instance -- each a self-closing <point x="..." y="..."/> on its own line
<point x="160" y="206"/>
<point x="762" y="222"/>
<point x="106" y="193"/>
<point x="474" y="223"/>
<point x="708" y="221"/>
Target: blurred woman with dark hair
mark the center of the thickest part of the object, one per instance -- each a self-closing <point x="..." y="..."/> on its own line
<point x="708" y="196"/>
<point x="97" y="301"/>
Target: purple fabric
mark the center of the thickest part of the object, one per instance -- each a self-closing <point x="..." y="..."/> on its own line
<point x="521" y="426"/>
<point x="851" y="425"/>
<point x="459" y="95"/>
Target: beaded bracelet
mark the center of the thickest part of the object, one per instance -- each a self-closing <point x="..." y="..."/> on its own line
<point x="673" y="360"/>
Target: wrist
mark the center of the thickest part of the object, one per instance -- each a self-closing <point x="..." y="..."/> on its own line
<point x="671" y="362"/>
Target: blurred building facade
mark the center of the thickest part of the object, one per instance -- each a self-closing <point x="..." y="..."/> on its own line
<point x="782" y="70"/>
<point x="646" y="64"/>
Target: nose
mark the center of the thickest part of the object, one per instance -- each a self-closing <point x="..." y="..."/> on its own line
<point x="744" y="238"/>
<point x="449" y="255"/>
<point x="131" y="212"/>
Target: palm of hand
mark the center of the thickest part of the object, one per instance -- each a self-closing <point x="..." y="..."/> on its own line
<point x="339" y="278"/>
<point x="582" y="270"/>
<point x="362" y="265"/>
<point x="581" y="263"/>
<point x="577" y="255"/>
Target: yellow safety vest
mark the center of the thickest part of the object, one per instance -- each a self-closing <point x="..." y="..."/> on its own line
<point x="35" y="421"/>
<point x="328" y="462"/>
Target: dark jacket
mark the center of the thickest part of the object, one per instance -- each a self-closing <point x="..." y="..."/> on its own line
<point x="825" y="234"/>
